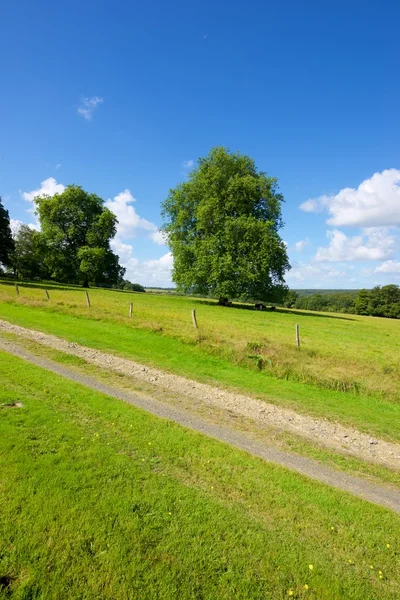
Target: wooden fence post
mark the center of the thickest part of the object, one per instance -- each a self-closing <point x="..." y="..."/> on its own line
<point x="130" y="309"/>
<point x="47" y="294"/>
<point x="194" y="319"/>
<point x="87" y="299"/>
<point x="297" y="336"/>
<point x="17" y="289"/>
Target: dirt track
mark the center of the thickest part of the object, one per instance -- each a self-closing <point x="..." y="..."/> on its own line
<point x="331" y="435"/>
<point x="380" y="495"/>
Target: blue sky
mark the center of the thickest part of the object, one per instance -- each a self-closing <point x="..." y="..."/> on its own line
<point x="121" y="97"/>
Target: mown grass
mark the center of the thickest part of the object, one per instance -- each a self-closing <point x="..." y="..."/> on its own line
<point x="101" y="500"/>
<point x="106" y="327"/>
<point x="286" y="441"/>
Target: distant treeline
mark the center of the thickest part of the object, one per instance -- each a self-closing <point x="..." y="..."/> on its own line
<point x="379" y="302"/>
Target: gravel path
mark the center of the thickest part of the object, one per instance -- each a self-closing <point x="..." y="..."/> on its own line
<point x="324" y="432"/>
<point x="380" y="495"/>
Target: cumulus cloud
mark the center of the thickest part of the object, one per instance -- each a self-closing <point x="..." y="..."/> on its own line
<point x="154" y="272"/>
<point x="88" y="106"/>
<point x="315" y="274"/>
<point x="376" y="202"/>
<point x="48" y="187"/>
<point x="159" y="238"/>
<point x="389" y="266"/>
<point x="301" y="245"/>
<point x="128" y="219"/>
<point x="15" y="225"/>
<point x="375" y="243"/>
<point x="124" y="251"/>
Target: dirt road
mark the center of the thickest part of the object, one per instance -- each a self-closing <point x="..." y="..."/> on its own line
<point x="321" y="431"/>
<point x="380" y="495"/>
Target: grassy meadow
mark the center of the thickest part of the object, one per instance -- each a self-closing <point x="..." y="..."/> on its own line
<point x="348" y="367"/>
<point x="101" y="500"/>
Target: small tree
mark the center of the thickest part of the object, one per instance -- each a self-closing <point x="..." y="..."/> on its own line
<point x="222" y="226"/>
<point x="77" y="228"/>
<point x="290" y="299"/>
<point x="29" y="256"/>
<point x="132" y="287"/>
<point x="6" y="239"/>
<point x="362" y="301"/>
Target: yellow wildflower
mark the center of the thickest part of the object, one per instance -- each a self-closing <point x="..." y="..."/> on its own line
<point x="311" y="567"/>
<point x="290" y="593"/>
<point x="306" y="587"/>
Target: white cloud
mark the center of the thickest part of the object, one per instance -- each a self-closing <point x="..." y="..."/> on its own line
<point x="375" y="243"/>
<point x="124" y="251"/>
<point x="389" y="266"/>
<point x="48" y="187"/>
<point x="188" y="164"/>
<point x="314" y="205"/>
<point x="376" y="202"/>
<point x="301" y="245"/>
<point x="15" y="224"/>
<point x="159" y="238"/>
<point x="151" y="272"/>
<point x="315" y="275"/>
<point x="88" y="106"/>
<point x="128" y="219"/>
<point x="58" y="166"/>
<point x="155" y="272"/>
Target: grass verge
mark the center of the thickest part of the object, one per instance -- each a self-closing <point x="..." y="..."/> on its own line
<point x="372" y="414"/>
<point x="284" y="440"/>
<point x="100" y="499"/>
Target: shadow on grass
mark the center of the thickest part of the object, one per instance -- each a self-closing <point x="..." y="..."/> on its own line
<point x="287" y="311"/>
<point x="50" y="285"/>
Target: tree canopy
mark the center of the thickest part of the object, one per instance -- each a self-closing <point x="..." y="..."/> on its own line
<point x="6" y="239"/>
<point x="77" y="229"/>
<point x="379" y="302"/>
<point x="30" y="254"/>
<point x="222" y="227"/>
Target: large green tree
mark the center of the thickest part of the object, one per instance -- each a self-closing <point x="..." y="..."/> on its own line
<point x="77" y="229"/>
<point x="6" y="239"/>
<point x="222" y="227"/>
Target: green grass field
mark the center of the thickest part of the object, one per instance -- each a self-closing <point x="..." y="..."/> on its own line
<point x="348" y="367"/>
<point x="101" y="500"/>
<point x="284" y="440"/>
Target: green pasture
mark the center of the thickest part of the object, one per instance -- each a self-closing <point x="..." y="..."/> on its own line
<point x="101" y="500"/>
<point x="346" y="369"/>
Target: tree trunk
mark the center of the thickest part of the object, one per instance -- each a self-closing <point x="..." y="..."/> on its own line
<point x="85" y="283"/>
<point x="223" y="301"/>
